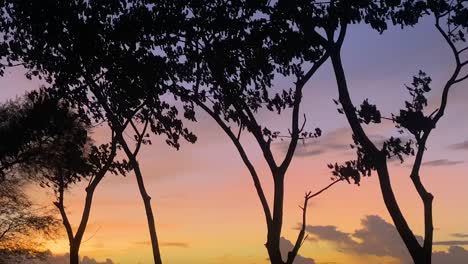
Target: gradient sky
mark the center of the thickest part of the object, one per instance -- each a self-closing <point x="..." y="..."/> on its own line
<point x="206" y="207"/>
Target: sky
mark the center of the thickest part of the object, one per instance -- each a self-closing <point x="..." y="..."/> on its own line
<point x="205" y="204"/>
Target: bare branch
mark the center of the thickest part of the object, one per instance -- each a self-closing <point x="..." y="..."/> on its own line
<point x="462" y="50"/>
<point x="140" y="138"/>
<point x="295" y="115"/>
<point x="447" y="39"/>
<point x="240" y="131"/>
<point x="326" y="188"/>
<point x="135" y="129"/>
<point x="301" y="236"/>
<point x="303" y="124"/>
<point x="245" y="159"/>
<point x="461" y="79"/>
<point x="59" y="204"/>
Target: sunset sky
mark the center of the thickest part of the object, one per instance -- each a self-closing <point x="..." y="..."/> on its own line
<point x="205" y="204"/>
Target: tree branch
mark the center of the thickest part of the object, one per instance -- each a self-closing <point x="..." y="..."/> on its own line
<point x="461" y="79"/>
<point x="295" y="115"/>
<point x="301" y="236"/>
<point x="140" y="137"/>
<point x="462" y="50"/>
<point x="60" y="205"/>
<point x="245" y="159"/>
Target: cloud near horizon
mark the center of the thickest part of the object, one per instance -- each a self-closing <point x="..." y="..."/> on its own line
<point x="380" y="238"/>
<point x="65" y="259"/>
<point x="286" y="246"/>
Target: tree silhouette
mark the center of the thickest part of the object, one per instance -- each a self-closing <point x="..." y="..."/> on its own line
<point x="22" y="224"/>
<point x="88" y="53"/>
<point x="55" y="151"/>
<point x="333" y="19"/>
<point x="233" y="56"/>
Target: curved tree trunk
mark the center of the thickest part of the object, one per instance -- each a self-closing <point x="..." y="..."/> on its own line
<point x="419" y="254"/>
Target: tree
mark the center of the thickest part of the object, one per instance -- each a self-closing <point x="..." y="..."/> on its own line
<point x="333" y="18"/>
<point x="23" y="225"/>
<point x="234" y="55"/>
<point x="55" y="151"/>
<point x="87" y="52"/>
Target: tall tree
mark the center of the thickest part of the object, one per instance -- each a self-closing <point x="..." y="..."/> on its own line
<point x="234" y="54"/>
<point x="329" y="24"/>
<point x="89" y="53"/>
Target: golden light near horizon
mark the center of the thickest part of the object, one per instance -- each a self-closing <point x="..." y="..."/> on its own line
<point x="217" y="200"/>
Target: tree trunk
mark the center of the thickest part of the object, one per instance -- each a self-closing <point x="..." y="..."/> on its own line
<point x="74" y="253"/>
<point x="413" y="246"/>
<point x="274" y="229"/>
<point x="273" y="248"/>
<point x="149" y="214"/>
<point x="145" y="197"/>
<point x="422" y="258"/>
<point x="415" y="249"/>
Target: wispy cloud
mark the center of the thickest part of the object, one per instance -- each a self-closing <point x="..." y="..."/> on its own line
<point x="175" y="244"/>
<point x="336" y="140"/>
<point x="164" y="244"/>
<point x="459" y="146"/>
<point x="451" y="243"/>
<point x="442" y="162"/>
<point x="460" y="235"/>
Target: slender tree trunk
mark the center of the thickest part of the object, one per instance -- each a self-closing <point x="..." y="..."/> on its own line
<point x="145" y="197"/>
<point x="149" y="213"/>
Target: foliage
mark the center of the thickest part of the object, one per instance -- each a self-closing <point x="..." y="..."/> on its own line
<point x="91" y="55"/>
<point x="23" y="225"/>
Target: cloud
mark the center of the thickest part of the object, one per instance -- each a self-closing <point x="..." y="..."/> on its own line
<point x="336" y="140"/>
<point x="459" y="235"/>
<point x="460" y="146"/>
<point x="377" y="237"/>
<point x="454" y="255"/>
<point x="87" y="260"/>
<point x="442" y="162"/>
<point x="64" y="259"/>
<point x="164" y="244"/>
<point x="329" y="233"/>
<point x="451" y="243"/>
<point x="380" y="238"/>
<point x="286" y="246"/>
<point x="175" y="244"/>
